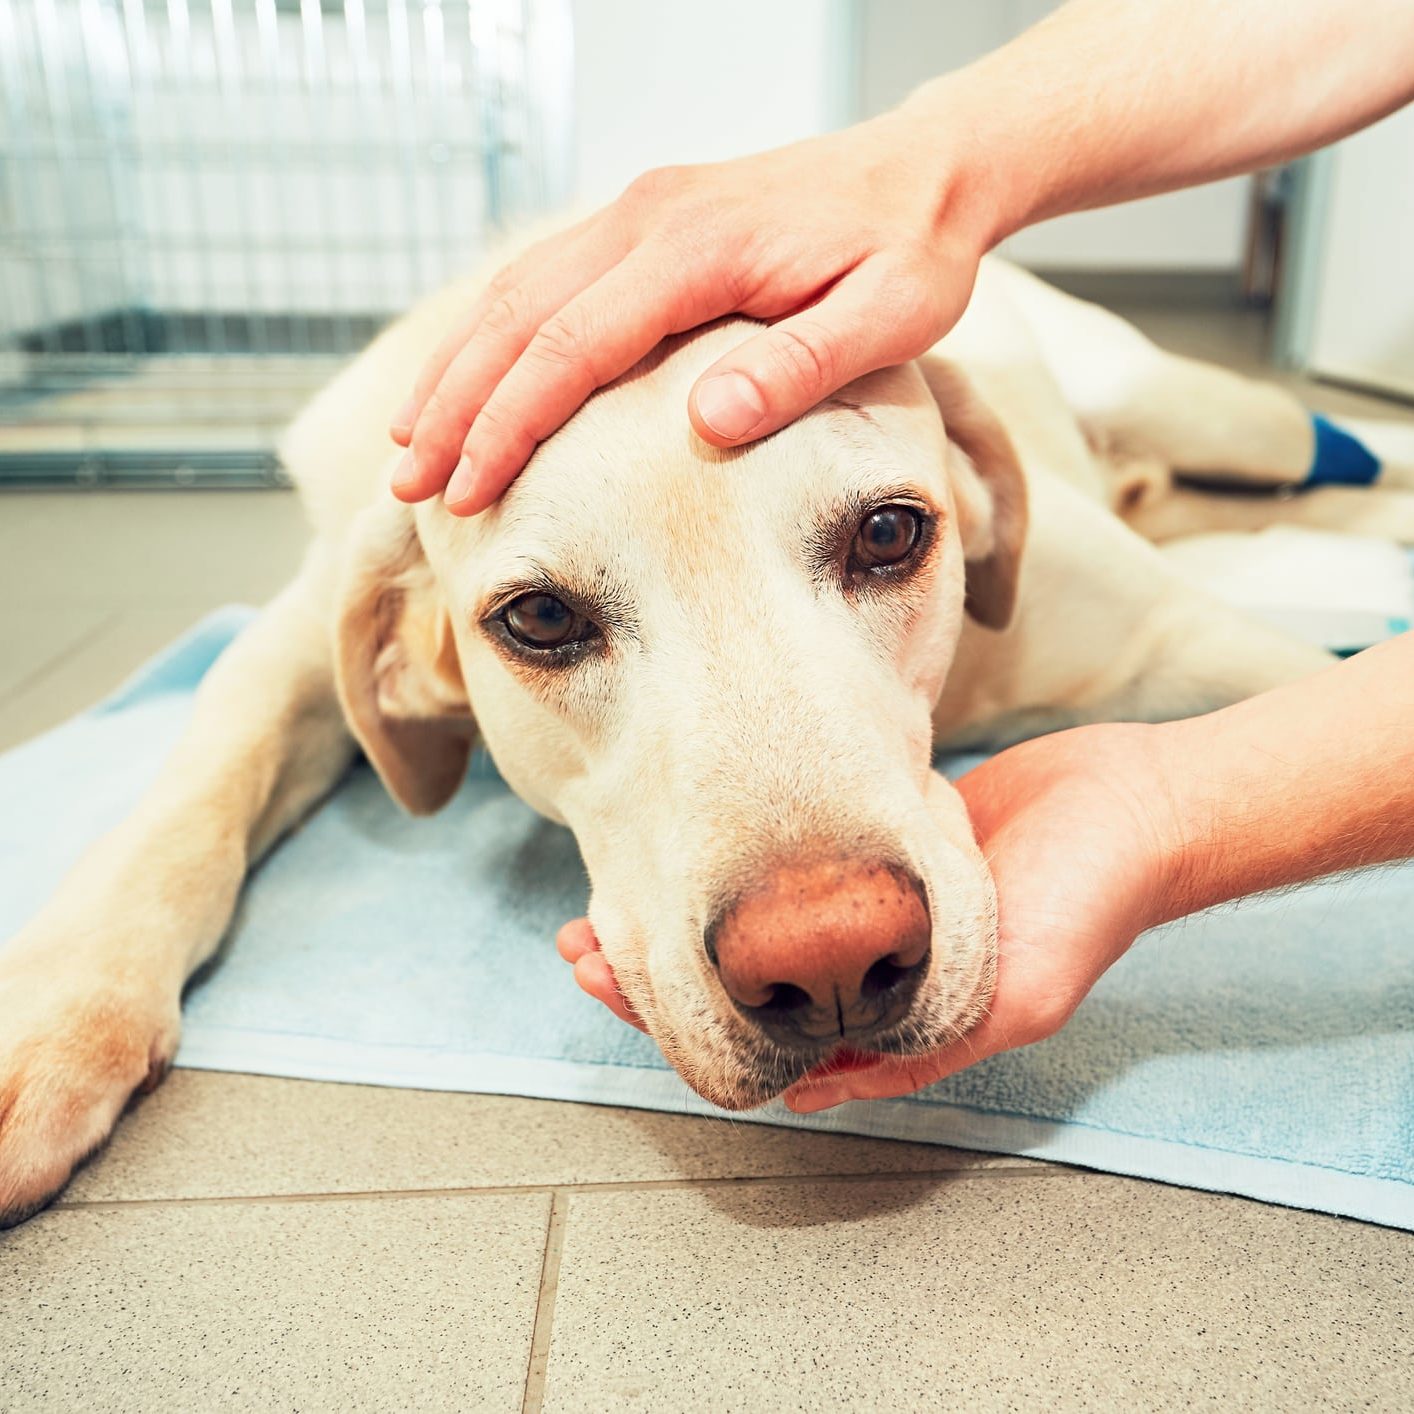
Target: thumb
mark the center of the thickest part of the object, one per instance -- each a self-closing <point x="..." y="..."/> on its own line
<point x="869" y="320"/>
<point x="891" y="1076"/>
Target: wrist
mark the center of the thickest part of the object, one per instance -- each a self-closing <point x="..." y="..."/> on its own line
<point x="1190" y="873"/>
<point x="980" y="185"/>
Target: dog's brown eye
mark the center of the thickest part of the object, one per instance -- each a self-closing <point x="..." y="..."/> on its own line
<point x="542" y="621"/>
<point x="887" y="536"/>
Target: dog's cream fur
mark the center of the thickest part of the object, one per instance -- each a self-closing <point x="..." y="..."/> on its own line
<point x="747" y="706"/>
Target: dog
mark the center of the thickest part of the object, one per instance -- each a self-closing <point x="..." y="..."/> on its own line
<point x="725" y="671"/>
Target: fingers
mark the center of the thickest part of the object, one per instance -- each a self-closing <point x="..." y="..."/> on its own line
<point x="875" y="316"/>
<point x="1035" y="996"/>
<point x="598" y="335"/>
<point x="891" y="1076"/>
<point x="430" y="374"/>
<point x="596" y="977"/>
<point x="469" y="362"/>
<point x="575" y="939"/>
<point x="577" y="944"/>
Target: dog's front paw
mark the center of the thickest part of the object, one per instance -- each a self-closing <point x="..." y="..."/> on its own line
<point x="76" y="1041"/>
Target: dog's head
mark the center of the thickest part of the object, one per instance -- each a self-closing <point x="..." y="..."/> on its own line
<point x="719" y="669"/>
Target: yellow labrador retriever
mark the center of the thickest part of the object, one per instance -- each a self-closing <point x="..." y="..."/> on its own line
<point x="725" y="671"/>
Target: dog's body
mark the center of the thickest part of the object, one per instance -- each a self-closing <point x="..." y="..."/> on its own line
<point x="739" y="725"/>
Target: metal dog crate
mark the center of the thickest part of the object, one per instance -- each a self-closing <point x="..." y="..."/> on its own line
<point x="205" y="205"/>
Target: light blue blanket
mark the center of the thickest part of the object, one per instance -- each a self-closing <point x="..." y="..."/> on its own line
<point x="1265" y="1049"/>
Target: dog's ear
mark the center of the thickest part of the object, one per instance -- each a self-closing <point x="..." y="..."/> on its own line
<point x="399" y="678"/>
<point x="990" y="490"/>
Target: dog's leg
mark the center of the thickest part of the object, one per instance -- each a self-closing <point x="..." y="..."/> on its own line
<point x="1150" y="413"/>
<point x="1353" y="510"/>
<point x="1187" y="417"/>
<point x="1107" y="630"/>
<point x="90" y="989"/>
<point x="1210" y="423"/>
<point x="1195" y="655"/>
<point x="1202" y="420"/>
<point x="1190" y="656"/>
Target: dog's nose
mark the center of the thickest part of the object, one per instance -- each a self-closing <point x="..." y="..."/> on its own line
<point x="823" y="952"/>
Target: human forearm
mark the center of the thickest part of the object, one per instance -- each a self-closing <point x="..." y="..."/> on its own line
<point x="1108" y="100"/>
<point x="858" y="249"/>
<point x="1095" y="834"/>
<point x="1306" y="780"/>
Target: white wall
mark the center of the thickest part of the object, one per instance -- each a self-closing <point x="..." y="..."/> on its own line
<point x="1363" y="330"/>
<point x="904" y="42"/>
<point x="1203" y="228"/>
<point x="662" y="81"/>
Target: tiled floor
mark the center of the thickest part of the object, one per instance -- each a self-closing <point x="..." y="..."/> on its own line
<point x="268" y="1244"/>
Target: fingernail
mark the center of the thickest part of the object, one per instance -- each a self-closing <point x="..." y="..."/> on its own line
<point x="462" y="482"/>
<point x="402" y="419"/>
<point x="405" y="473"/>
<point x="730" y="405"/>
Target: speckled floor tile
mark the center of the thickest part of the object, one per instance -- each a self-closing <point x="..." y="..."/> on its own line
<point x="92" y="584"/>
<point x="34" y="638"/>
<point x="103" y="660"/>
<point x="978" y="1293"/>
<point x="206" y="1135"/>
<point x="131" y="549"/>
<point x="424" y="1304"/>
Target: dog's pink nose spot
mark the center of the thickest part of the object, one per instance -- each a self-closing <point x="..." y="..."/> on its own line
<point x="824" y="951"/>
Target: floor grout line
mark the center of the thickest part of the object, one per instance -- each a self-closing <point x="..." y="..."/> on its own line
<point x="64" y="655"/>
<point x="657" y="1185"/>
<point x="543" y="1328"/>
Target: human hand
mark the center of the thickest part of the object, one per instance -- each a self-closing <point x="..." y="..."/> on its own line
<point x="580" y="948"/>
<point x="1082" y="836"/>
<point x="858" y="243"/>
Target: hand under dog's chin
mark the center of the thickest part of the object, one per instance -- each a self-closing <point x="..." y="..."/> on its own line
<point x="758" y="1072"/>
<point x="734" y="1067"/>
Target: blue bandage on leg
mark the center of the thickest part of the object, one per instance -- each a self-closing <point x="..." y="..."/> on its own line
<point x="1341" y="459"/>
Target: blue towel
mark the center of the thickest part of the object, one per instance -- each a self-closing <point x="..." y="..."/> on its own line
<point x="1265" y="1049"/>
